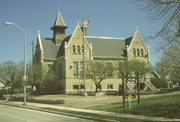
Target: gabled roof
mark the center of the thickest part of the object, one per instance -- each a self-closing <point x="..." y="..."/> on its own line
<point x="77" y="28"/>
<point x="154" y="74"/>
<point x="59" y="22"/>
<point x="106" y="47"/>
<point x="133" y="39"/>
<point x="50" y="49"/>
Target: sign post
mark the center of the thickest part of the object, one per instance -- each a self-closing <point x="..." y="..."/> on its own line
<point x="130" y="86"/>
<point x="138" y="86"/>
<point x="24" y="79"/>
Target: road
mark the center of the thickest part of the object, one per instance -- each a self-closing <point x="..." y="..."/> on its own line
<point x="15" y="114"/>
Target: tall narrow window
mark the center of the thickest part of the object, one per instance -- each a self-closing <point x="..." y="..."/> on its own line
<point x="138" y="52"/>
<point x="75" y="69"/>
<point x="81" y="70"/>
<point x="134" y="51"/>
<point x="78" y="49"/>
<point x="73" y="49"/>
<point x="142" y="53"/>
<point x="82" y="49"/>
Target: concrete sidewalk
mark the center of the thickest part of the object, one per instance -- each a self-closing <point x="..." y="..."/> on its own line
<point x="104" y="113"/>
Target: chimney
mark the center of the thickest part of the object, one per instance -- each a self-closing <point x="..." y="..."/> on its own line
<point x="84" y="27"/>
<point x="84" y="30"/>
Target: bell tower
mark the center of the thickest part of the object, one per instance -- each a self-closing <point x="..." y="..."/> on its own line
<point x="59" y="28"/>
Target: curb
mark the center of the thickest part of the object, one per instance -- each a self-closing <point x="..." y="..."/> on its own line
<point x="59" y="113"/>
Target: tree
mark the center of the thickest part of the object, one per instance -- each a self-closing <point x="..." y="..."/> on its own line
<point x="39" y="74"/>
<point x="133" y="66"/>
<point x="169" y="64"/>
<point x="98" y="71"/>
<point x="159" y="82"/>
<point x="168" y="12"/>
<point x="8" y="74"/>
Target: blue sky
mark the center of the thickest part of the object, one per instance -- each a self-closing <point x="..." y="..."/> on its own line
<point x="111" y="18"/>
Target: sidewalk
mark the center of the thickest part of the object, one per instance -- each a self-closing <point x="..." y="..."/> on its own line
<point x="104" y="113"/>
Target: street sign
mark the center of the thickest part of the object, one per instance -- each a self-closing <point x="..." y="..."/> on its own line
<point x="24" y="78"/>
<point x="131" y="96"/>
<point x="130" y="85"/>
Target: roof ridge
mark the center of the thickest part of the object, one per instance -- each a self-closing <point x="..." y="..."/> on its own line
<point x="102" y="37"/>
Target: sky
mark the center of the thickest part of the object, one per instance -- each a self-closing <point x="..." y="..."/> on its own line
<point x="108" y="18"/>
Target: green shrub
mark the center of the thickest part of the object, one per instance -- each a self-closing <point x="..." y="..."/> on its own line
<point x="159" y="82"/>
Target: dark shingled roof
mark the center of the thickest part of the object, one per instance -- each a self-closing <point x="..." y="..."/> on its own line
<point x="128" y="40"/>
<point x="59" y="22"/>
<point x="103" y="47"/>
<point x="50" y="49"/>
<point x="61" y="49"/>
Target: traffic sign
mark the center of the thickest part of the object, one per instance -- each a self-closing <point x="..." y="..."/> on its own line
<point x="24" y="78"/>
<point x="131" y="96"/>
<point x="130" y="85"/>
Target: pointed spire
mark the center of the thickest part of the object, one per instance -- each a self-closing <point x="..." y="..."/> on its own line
<point x="59" y="22"/>
<point x="78" y="23"/>
<point x="137" y="29"/>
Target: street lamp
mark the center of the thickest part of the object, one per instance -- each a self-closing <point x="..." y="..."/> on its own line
<point x="24" y="78"/>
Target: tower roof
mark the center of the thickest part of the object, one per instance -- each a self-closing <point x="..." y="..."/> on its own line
<point x="59" y="22"/>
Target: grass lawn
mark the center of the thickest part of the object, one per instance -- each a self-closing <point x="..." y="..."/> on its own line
<point x="162" y="106"/>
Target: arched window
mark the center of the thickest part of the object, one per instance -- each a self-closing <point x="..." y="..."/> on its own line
<point x="78" y="49"/>
<point x="73" y="49"/>
<point x="138" y="52"/>
<point x="142" y="53"/>
<point x="134" y="51"/>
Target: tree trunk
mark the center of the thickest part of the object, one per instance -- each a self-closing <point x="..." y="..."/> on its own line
<point x="96" y="88"/>
<point x="11" y="92"/>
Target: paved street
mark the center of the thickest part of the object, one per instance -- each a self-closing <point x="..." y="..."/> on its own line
<point x="15" y="114"/>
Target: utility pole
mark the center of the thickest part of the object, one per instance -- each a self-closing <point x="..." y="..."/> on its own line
<point x="24" y="77"/>
<point x="32" y="51"/>
<point x="84" y="25"/>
